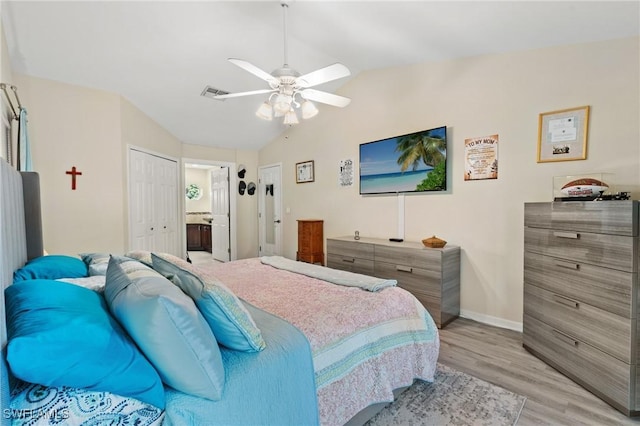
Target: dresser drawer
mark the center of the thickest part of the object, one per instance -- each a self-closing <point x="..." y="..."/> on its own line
<point x="609" y="251"/>
<point x="601" y="373"/>
<point x="418" y="258"/>
<point x="608" y="217"/>
<point x="425" y="285"/>
<point x="352" y="249"/>
<point x="351" y="264"/>
<point x="604" y="288"/>
<point x="608" y="332"/>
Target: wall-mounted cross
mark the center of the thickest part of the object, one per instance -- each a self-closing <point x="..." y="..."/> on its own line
<point x="73" y="172"/>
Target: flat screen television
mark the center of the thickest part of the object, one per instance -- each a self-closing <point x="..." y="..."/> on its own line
<point x="415" y="162"/>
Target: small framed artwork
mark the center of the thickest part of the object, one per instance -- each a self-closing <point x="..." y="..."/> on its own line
<point x="562" y="135"/>
<point x="304" y="172"/>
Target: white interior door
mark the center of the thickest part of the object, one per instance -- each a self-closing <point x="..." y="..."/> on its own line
<point x="270" y="210"/>
<point x="220" y="212"/>
<point x="141" y="223"/>
<point x="166" y="206"/>
<point x="153" y="203"/>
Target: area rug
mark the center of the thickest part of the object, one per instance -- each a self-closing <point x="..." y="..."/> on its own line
<point x="454" y="398"/>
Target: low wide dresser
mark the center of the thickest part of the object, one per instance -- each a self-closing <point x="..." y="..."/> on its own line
<point x="432" y="275"/>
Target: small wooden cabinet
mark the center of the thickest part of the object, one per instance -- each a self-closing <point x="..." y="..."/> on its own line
<point x="432" y="275"/>
<point x="205" y="235"/>
<point x="198" y="237"/>
<point x="310" y="241"/>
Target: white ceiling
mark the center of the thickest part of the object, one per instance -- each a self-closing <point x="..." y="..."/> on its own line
<point x="161" y="54"/>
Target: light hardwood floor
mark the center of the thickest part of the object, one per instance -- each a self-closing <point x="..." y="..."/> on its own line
<point x="496" y="355"/>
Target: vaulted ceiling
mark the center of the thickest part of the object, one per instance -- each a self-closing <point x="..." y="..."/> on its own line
<point x="160" y="55"/>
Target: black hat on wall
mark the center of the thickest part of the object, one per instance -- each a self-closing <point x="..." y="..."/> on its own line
<point x="241" y="187"/>
<point x="241" y="171"/>
<point x="251" y="189"/>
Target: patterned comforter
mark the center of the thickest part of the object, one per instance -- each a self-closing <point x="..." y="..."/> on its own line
<point x="364" y="344"/>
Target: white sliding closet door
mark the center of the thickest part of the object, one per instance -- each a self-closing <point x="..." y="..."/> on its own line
<point x="153" y="203"/>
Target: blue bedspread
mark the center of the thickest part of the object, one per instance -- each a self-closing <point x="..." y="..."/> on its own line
<point x="274" y="386"/>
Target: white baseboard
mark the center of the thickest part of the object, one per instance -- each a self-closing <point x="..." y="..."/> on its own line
<point x="489" y="320"/>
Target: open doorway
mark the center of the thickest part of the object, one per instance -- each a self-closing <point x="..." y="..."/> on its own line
<point x="210" y="214"/>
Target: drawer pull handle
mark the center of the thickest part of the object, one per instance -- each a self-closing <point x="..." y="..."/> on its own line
<point x="565" y="338"/>
<point x="404" y="268"/>
<point x="566" y="301"/>
<point x="568" y="265"/>
<point x="352" y="260"/>
<point x="571" y="235"/>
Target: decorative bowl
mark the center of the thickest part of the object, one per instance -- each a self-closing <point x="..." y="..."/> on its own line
<point x="434" y="242"/>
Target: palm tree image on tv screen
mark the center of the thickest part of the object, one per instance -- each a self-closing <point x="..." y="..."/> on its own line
<point x="415" y="162"/>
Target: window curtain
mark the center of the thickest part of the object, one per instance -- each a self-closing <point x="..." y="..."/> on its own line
<point x="24" y="147"/>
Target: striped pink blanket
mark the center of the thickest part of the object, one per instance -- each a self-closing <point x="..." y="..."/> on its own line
<point x="364" y="344"/>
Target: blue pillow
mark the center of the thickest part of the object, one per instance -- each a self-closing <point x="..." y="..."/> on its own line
<point x="230" y="321"/>
<point x="96" y="262"/>
<point x="167" y="326"/>
<point x="61" y="334"/>
<point x="51" y="267"/>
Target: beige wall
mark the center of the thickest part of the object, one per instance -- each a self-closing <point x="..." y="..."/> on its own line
<point x="248" y="207"/>
<point x="75" y="126"/>
<point x="92" y="130"/>
<point x="495" y="94"/>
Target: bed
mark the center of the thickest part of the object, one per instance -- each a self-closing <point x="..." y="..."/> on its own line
<point x="311" y="351"/>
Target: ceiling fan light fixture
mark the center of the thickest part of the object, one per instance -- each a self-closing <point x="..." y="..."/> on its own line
<point x="291" y="118"/>
<point x="265" y="111"/>
<point x="282" y="104"/>
<point x="309" y="110"/>
<point x="285" y="83"/>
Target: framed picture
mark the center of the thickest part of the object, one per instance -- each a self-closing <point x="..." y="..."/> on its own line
<point x="481" y="158"/>
<point x="562" y="135"/>
<point x="304" y="172"/>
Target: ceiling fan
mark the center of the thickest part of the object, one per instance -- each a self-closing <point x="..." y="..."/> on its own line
<point x="290" y="90"/>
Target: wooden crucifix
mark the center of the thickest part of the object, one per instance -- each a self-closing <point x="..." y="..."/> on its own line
<point x="73" y="172"/>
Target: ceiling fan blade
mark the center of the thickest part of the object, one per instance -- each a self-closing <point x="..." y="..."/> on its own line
<point x="249" y="67"/>
<point x="238" y="94"/>
<point x="325" y="98"/>
<point x="323" y="75"/>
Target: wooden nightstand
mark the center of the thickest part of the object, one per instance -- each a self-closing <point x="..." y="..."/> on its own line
<point x="310" y="241"/>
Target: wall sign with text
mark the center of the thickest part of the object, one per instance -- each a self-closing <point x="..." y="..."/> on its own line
<point x="481" y="158"/>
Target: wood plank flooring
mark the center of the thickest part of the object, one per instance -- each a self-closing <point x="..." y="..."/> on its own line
<point x="497" y="356"/>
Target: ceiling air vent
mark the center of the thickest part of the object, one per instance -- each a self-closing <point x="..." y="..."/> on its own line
<point x="210" y="92"/>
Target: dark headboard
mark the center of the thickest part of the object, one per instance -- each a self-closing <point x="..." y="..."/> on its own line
<point x="32" y="214"/>
<point x="20" y="240"/>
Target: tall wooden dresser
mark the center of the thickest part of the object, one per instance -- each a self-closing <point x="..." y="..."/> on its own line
<point x="581" y="294"/>
<point x="432" y="275"/>
<point x="310" y="241"/>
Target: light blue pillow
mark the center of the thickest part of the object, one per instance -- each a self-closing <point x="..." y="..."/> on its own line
<point x="96" y="262"/>
<point x="228" y="318"/>
<point x="51" y="267"/>
<point x="63" y="335"/>
<point x="167" y="327"/>
<point x="142" y="256"/>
